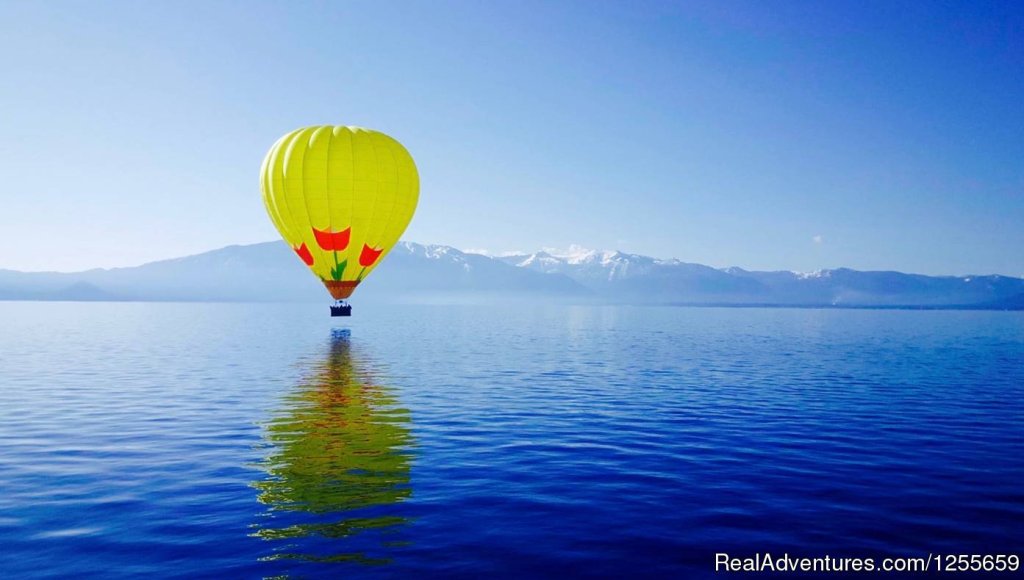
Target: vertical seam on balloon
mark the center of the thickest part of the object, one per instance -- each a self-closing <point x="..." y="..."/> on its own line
<point x="283" y="152"/>
<point x="327" y="188"/>
<point x="376" y="179"/>
<point x="398" y="193"/>
<point x="301" y="193"/>
<point x="280" y="205"/>
<point x="327" y="179"/>
<point x="387" y="142"/>
<point x="302" y="179"/>
<point x="266" y="188"/>
<point x="305" y="157"/>
<point x="352" y="178"/>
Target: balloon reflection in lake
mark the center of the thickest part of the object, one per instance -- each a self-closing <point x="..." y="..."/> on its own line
<point x="337" y="464"/>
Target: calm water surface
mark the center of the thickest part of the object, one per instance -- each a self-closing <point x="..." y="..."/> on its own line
<point x="213" y="440"/>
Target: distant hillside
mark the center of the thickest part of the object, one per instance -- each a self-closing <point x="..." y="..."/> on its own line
<point x="271" y="272"/>
<point x="1011" y="303"/>
<point x="415" y="272"/>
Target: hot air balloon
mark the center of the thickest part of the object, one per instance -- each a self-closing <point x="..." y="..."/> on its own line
<point x="340" y="197"/>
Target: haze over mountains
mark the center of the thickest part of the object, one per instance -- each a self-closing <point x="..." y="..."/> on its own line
<point x="430" y="273"/>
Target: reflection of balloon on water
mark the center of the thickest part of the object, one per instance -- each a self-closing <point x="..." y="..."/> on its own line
<point x="339" y="463"/>
<point x="341" y="197"/>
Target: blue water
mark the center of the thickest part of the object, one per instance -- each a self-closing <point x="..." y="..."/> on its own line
<point x="224" y="440"/>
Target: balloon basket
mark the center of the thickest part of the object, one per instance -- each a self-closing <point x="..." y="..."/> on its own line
<point x="341" y="309"/>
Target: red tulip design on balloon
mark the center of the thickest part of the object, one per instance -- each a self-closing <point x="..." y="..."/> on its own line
<point x="367" y="258"/>
<point x="304" y="254"/>
<point x="334" y="242"/>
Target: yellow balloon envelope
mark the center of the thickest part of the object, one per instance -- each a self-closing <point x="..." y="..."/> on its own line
<point x="341" y="197"/>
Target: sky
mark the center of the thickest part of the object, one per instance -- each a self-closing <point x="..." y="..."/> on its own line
<point x="767" y="135"/>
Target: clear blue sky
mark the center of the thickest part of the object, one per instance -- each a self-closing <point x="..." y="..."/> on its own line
<point x="768" y="135"/>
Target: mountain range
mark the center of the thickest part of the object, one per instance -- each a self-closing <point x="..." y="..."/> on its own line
<point x="431" y="273"/>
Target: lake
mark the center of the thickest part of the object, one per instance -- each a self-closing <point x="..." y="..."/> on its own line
<point x="245" y="440"/>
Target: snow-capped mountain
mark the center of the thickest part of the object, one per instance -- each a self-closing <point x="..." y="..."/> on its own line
<point x="598" y="265"/>
<point x="634" y="277"/>
<point x="641" y="278"/>
<point x="417" y="268"/>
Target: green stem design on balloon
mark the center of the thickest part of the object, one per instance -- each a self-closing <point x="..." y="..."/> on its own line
<point x="338" y="269"/>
